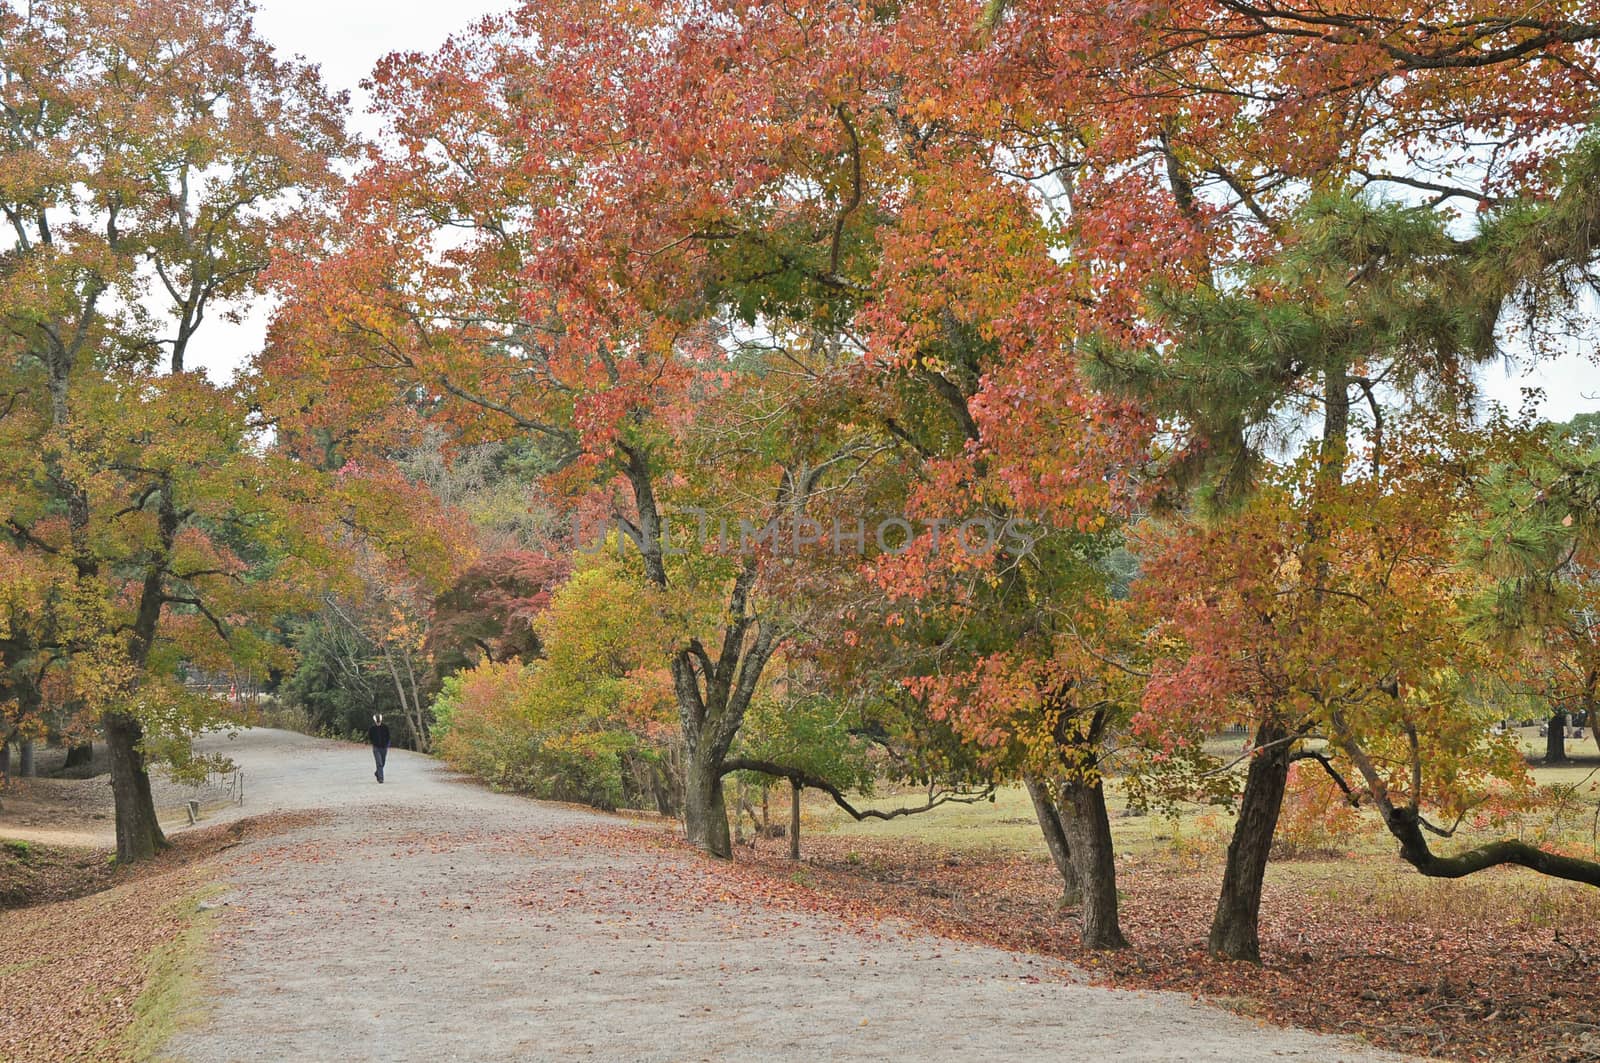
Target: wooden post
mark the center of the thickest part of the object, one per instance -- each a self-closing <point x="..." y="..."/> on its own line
<point x="794" y="820"/>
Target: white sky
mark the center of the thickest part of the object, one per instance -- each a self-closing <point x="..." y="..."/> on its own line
<point x="347" y="38"/>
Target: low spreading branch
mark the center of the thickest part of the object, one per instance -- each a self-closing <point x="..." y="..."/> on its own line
<point x="805" y="778"/>
<point x="1405" y="823"/>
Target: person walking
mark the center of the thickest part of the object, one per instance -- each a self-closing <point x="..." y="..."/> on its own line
<point x="378" y="735"/>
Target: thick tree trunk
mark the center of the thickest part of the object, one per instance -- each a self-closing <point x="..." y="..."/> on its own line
<point x="1555" y="742"/>
<point x="139" y="834"/>
<point x="1088" y="832"/>
<point x="26" y="768"/>
<point x="1235" y="927"/>
<point x="794" y="819"/>
<point x="5" y="760"/>
<point x="705" y="811"/>
<point x="80" y="756"/>
<point x="1055" y="839"/>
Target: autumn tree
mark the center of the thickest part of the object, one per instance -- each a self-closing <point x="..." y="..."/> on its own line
<point x="618" y="273"/>
<point x="148" y="154"/>
<point x="523" y="552"/>
<point x="1187" y="148"/>
<point x="1388" y="312"/>
<point x="34" y="585"/>
<point x="591" y="720"/>
<point x="1016" y="467"/>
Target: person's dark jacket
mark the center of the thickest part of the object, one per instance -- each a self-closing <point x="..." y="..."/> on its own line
<point x="378" y="735"/>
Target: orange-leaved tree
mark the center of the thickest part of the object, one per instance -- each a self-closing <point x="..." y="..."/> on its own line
<point x="640" y="238"/>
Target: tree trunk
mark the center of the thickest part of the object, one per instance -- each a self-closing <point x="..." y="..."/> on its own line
<point x="5" y="760"/>
<point x="139" y="834"/>
<point x="660" y="786"/>
<point x="705" y="812"/>
<point x="80" y="756"/>
<point x="713" y="696"/>
<point x="794" y="820"/>
<point x="1055" y="839"/>
<point x="419" y="710"/>
<point x="409" y="709"/>
<point x="1235" y="933"/>
<point x="1088" y="832"/>
<point x="1555" y="742"/>
<point x="1590" y="713"/>
<point x="741" y="804"/>
<point x="26" y="768"/>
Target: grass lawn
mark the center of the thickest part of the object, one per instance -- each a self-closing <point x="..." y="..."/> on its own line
<point x="1007" y="824"/>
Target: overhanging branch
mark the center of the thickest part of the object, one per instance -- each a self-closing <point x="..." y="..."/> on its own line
<point x="1333" y="773"/>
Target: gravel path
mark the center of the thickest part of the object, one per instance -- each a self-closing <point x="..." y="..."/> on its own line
<point x="431" y="920"/>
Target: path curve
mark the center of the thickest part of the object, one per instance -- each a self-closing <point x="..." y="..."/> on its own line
<point x="428" y="919"/>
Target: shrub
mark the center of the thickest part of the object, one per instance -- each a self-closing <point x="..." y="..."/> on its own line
<point x="482" y="722"/>
<point x="591" y="722"/>
<point x="505" y="724"/>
